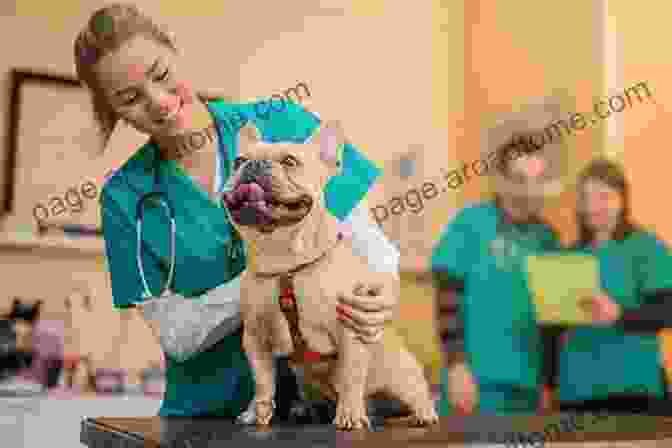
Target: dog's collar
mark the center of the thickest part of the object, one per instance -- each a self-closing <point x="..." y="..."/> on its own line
<point x="302" y="266"/>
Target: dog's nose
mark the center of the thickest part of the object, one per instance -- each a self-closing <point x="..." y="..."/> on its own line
<point x="254" y="170"/>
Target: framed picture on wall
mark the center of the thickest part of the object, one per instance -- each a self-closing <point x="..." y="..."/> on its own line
<point x="51" y="154"/>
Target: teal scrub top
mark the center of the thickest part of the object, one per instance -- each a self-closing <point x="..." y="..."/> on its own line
<point x="217" y="382"/>
<point x="502" y="340"/>
<point x="599" y="361"/>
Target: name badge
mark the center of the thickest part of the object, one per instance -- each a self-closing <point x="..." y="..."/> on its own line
<point x="505" y="251"/>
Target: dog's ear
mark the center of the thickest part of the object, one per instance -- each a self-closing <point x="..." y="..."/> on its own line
<point x="248" y="135"/>
<point x="331" y="139"/>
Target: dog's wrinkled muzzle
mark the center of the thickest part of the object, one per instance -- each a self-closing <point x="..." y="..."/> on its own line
<point x="245" y="197"/>
<point x="251" y="199"/>
<point x="254" y="171"/>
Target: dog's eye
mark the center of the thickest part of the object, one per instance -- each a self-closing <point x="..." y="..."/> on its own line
<point x="238" y="162"/>
<point x="290" y="161"/>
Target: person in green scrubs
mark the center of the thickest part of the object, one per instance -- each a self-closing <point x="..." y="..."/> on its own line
<point x="494" y="352"/>
<point x="129" y="65"/>
<point x="615" y="364"/>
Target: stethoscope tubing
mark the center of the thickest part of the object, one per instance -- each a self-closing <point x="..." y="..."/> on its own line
<point x="160" y="198"/>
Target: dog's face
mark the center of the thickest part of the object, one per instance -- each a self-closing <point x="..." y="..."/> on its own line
<point x="278" y="185"/>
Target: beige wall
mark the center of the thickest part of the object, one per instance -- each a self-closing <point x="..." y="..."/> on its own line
<point x="430" y="73"/>
<point x="360" y="59"/>
<point x="52" y="275"/>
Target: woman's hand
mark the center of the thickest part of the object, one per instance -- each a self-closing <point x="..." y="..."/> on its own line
<point x="368" y="309"/>
<point x="462" y="389"/>
<point x="602" y="308"/>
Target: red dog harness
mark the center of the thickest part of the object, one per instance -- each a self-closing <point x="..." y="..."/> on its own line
<point x="287" y="300"/>
<point x="301" y="354"/>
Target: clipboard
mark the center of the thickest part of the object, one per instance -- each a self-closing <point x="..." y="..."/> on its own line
<point x="557" y="284"/>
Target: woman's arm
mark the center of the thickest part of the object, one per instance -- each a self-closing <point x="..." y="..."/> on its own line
<point x="650" y="317"/>
<point x="458" y="381"/>
<point x="183" y="326"/>
<point x="188" y="326"/>
<point x="653" y="273"/>
<point x="370" y="242"/>
<point x="371" y="306"/>
<point x="654" y="315"/>
<point x="449" y="322"/>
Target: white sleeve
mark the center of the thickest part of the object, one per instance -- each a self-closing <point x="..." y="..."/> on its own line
<point x="188" y="326"/>
<point x="223" y="300"/>
<point x="370" y="242"/>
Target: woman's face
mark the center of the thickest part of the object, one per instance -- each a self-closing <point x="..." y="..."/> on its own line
<point x="141" y="84"/>
<point x="600" y="204"/>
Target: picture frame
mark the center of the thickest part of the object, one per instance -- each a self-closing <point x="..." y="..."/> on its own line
<point x="47" y="169"/>
<point x="19" y="79"/>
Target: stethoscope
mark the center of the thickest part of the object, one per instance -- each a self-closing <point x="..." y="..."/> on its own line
<point x="156" y="197"/>
<point x="153" y="198"/>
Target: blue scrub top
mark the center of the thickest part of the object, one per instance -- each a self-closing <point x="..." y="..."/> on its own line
<point x="599" y="361"/>
<point x="489" y="254"/>
<point x="217" y="382"/>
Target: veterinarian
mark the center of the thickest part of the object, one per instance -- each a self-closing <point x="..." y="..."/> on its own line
<point x="130" y="66"/>
<point x="494" y="354"/>
<point x="616" y="364"/>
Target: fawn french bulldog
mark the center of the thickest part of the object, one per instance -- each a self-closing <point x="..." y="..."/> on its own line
<point x="276" y="203"/>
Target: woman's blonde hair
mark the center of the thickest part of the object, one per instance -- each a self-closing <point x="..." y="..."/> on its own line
<point x="106" y="31"/>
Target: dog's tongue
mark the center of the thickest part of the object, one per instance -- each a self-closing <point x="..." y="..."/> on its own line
<point x="248" y="204"/>
<point x="252" y="192"/>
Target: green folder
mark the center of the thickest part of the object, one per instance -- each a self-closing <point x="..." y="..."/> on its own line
<point x="558" y="283"/>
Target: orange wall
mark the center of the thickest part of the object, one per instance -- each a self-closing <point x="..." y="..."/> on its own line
<point x="645" y="153"/>
<point x="646" y="125"/>
<point x="518" y="52"/>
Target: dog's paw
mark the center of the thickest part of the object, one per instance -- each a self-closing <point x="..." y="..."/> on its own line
<point x="264" y="412"/>
<point x="351" y="417"/>
<point x="425" y="416"/>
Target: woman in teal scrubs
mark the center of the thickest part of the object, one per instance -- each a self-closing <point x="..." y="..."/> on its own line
<point x="493" y="348"/>
<point x="130" y="67"/>
<point x="616" y="363"/>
